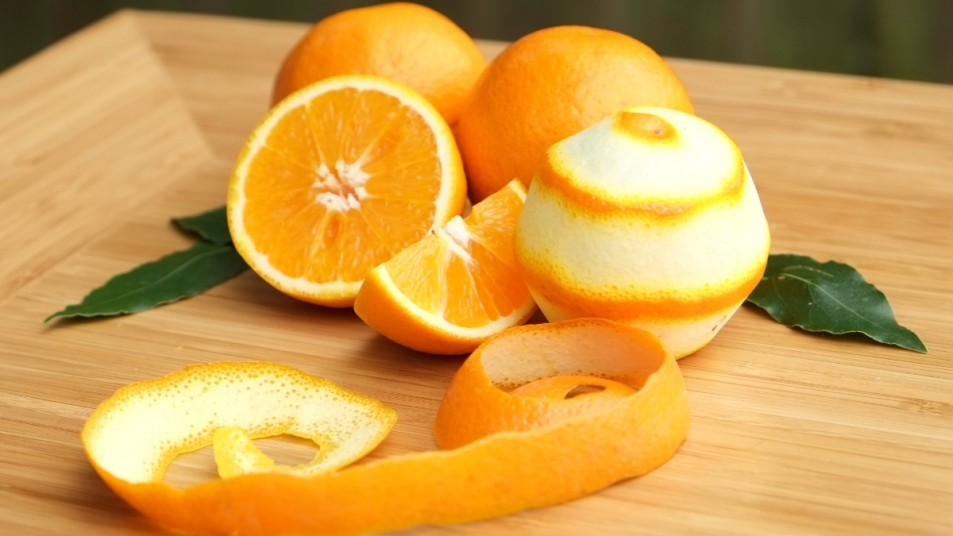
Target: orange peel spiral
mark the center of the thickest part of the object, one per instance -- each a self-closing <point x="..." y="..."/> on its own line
<point x="538" y="415"/>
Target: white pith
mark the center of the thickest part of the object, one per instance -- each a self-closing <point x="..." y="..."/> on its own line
<point x="342" y="189"/>
<point x="458" y="238"/>
<point x="137" y="432"/>
<point x="629" y="255"/>
<point x="696" y="162"/>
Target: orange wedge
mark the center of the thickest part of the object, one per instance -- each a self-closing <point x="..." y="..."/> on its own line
<point x="337" y="178"/>
<point x="457" y="286"/>
<point x="595" y="403"/>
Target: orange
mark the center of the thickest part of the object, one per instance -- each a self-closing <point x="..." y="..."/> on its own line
<point x="649" y="218"/>
<point x="550" y="85"/>
<point x="447" y="293"/>
<point x="408" y="43"/>
<point x="540" y="445"/>
<point x="338" y="178"/>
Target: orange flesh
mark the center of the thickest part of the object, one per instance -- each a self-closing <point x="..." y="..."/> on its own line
<point x="466" y="275"/>
<point x="300" y="209"/>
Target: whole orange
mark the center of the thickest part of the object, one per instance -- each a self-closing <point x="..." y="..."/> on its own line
<point x="407" y="43"/>
<point x="548" y="86"/>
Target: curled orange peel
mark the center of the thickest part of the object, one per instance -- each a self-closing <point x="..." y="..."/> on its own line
<point x="538" y="415"/>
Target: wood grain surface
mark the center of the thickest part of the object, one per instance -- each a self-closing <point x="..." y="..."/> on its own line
<point x="106" y="135"/>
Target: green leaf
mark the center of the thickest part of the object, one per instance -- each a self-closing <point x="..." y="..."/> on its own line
<point x="211" y="226"/>
<point x="798" y="291"/>
<point x="176" y="276"/>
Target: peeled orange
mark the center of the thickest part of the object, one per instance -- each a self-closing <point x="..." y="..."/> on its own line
<point x="649" y="218"/>
<point x="548" y="86"/>
<point x="338" y="178"/>
<point x="457" y="286"/>
<point x="408" y="43"/>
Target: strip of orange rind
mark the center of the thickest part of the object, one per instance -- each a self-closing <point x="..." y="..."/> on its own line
<point x="136" y="433"/>
<point x="507" y="452"/>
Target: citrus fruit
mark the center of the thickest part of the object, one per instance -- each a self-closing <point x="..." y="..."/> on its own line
<point x="550" y="85"/>
<point x="407" y="43"/>
<point x="447" y="293"/>
<point x="650" y="218"/>
<point x="338" y="178"/>
<point x="510" y="451"/>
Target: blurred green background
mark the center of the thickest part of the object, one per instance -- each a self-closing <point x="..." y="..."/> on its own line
<point x="908" y="39"/>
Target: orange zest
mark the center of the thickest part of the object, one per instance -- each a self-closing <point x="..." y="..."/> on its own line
<point x="538" y="415"/>
<point x="336" y="179"/>
<point x="456" y="287"/>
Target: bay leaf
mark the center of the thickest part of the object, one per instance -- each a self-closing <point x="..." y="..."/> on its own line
<point x="171" y="278"/>
<point x="211" y="226"/>
<point x="830" y="297"/>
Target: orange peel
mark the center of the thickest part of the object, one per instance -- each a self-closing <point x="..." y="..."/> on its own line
<point x="138" y="432"/>
<point x="520" y="433"/>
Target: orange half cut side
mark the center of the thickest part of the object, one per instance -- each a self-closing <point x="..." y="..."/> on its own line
<point x="336" y="179"/>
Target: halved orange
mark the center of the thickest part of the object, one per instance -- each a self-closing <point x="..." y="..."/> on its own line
<point x="337" y="178"/>
<point x="457" y="286"/>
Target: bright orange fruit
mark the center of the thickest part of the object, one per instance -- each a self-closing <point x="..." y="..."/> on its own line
<point x="338" y="178"/>
<point x="548" y="86"/>
<point x="408" y="43"/>
<point x="447" y="293"/>
<point x="538" y="445"/>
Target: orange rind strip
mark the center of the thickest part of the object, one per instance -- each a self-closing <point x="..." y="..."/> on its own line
<point x="139" y="431"/>
<point x="518" y="439"/>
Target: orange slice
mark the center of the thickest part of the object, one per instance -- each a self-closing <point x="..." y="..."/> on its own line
<point x="616" y="409"/>
<point x="336" y="179"/>
<point x="457" y="286"/>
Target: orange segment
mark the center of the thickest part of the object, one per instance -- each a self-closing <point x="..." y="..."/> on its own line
<point x="457" y="286"/>
<point x="510" y="451"/>
<point x="337" y="179"/>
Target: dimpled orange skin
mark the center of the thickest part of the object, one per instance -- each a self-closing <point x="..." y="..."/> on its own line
<point x="541" y="449"/>
<point x="407" y="43"/>
<point x="550" y="85"/>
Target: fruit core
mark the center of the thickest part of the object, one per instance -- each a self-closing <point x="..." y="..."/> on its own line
<point x="458" y="237"/>
<point x="342" y="188"/>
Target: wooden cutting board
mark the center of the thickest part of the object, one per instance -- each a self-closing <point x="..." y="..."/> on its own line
<point x="106" y="135"/>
